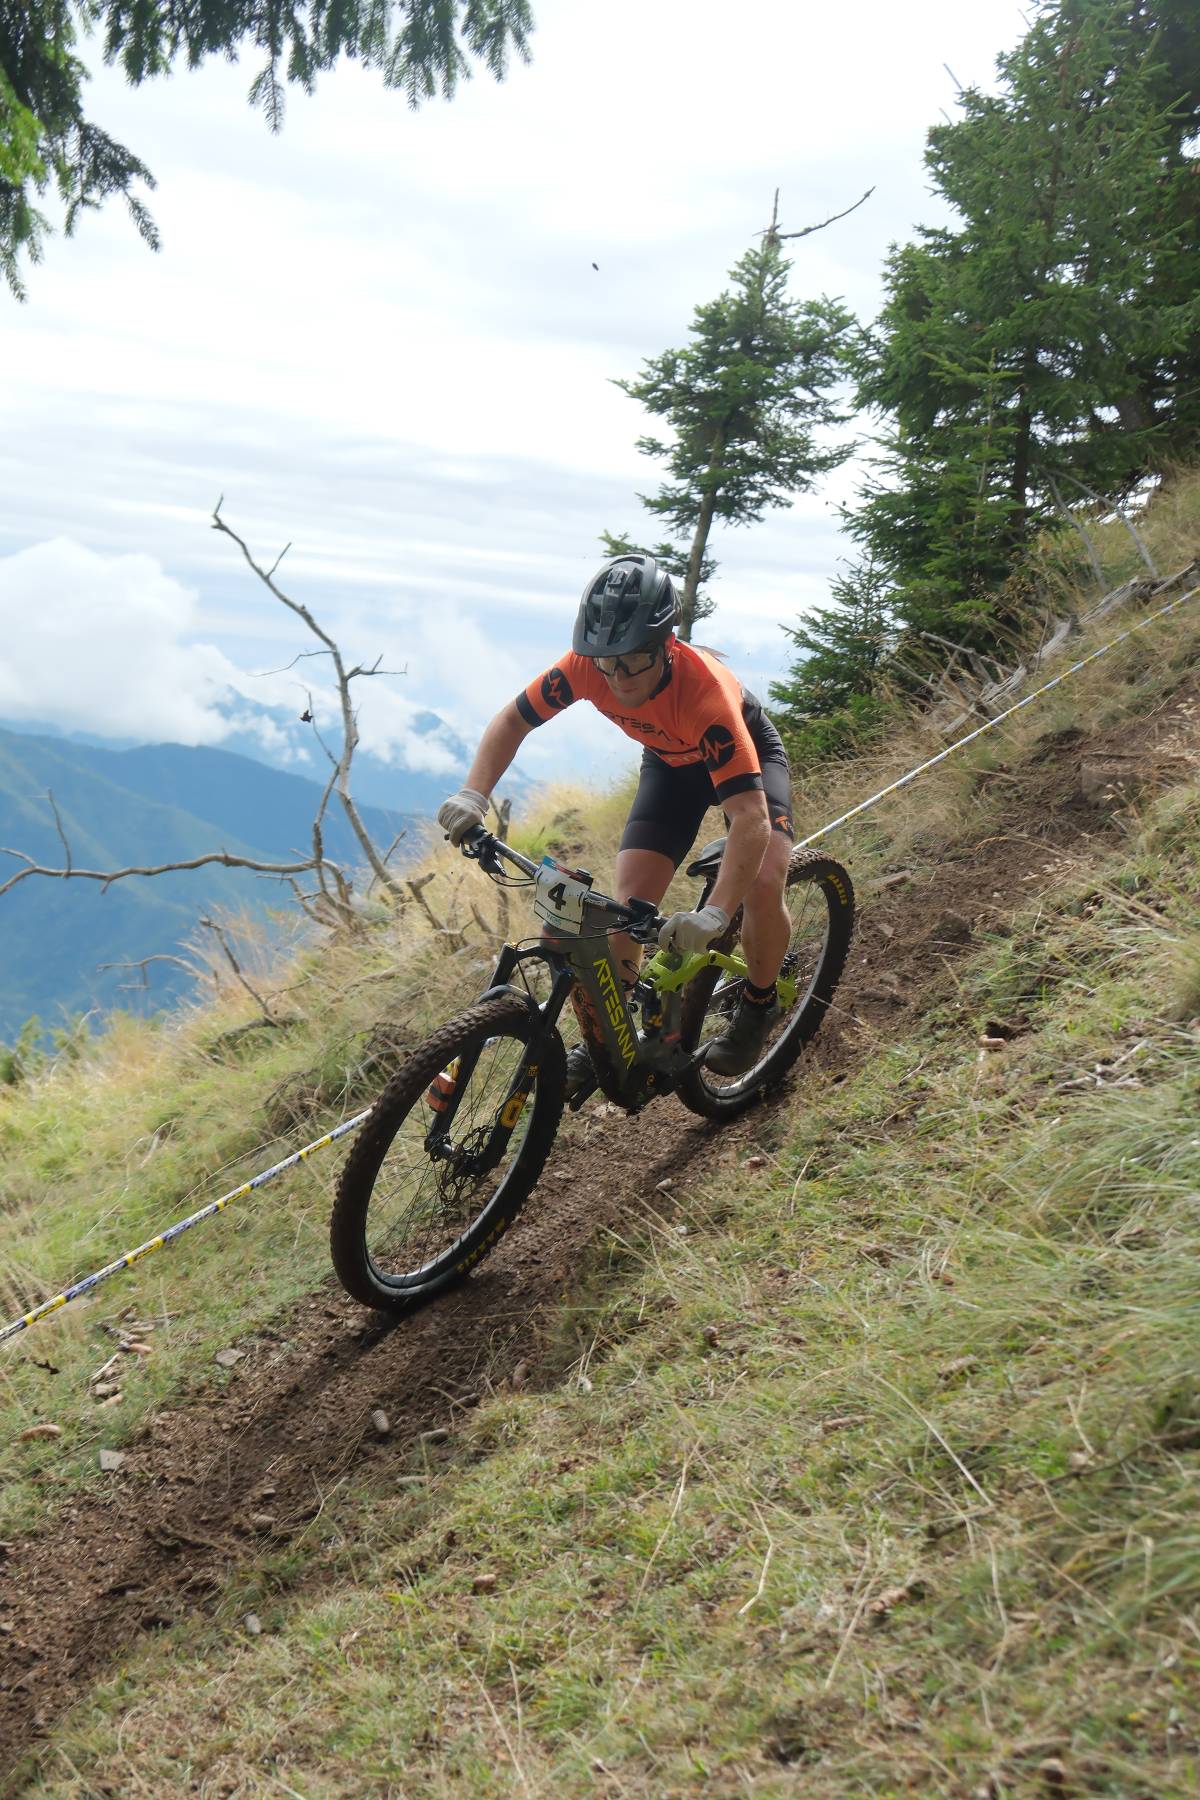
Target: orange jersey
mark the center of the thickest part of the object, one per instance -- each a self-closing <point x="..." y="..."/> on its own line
<point x="696" y="715"/>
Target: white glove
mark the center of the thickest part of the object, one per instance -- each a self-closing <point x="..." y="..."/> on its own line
<point x="460" y="812"/>
<point x="691" y="931"/>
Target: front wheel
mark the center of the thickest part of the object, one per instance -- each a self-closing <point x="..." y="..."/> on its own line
<point x="820" y="901"/>
<point x="449" y="1154"/>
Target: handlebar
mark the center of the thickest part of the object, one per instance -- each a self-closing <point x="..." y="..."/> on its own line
<point x="484" y="848"/>
<point x="641" y="918"/>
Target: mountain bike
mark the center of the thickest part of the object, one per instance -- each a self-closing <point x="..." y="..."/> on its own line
<point x="461" y="1133"/>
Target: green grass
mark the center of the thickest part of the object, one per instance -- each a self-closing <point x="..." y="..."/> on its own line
<point x="111" y="1143"/>
<point x="102" y="1152"/>
<point x="868" y="1471"/>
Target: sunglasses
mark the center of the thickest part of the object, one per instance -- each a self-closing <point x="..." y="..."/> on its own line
<point x="639" y="663"/>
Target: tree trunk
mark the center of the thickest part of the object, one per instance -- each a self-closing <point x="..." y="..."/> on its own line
<point x="1019" y="489"/>
<point x="695" y="558"/>
<point x="1135" y="412"/>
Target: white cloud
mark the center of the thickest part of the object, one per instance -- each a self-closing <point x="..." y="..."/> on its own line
<point x="380" y="334"/>
<point x="97" y="643"/>
<point x="106" y="645"/>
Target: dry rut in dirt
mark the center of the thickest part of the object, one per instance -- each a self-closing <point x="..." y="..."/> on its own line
<point x="252" y="1463"/>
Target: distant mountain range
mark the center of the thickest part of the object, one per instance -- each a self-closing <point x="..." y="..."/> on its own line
<point x="151" y="804"/>
<point x="277" y="737"/>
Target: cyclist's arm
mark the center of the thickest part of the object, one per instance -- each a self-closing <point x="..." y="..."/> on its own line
<point x="497" y="747"/>
<point x="749" y="835"/>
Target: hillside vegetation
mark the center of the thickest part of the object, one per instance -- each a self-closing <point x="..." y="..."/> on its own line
<point x="850" y="1451"/>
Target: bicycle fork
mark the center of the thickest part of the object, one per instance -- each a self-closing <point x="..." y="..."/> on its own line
<point x="445" y="1092"/>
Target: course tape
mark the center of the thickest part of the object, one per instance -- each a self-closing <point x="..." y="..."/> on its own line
<point x="959" y="743"/>
<point x="173" y="1231"/>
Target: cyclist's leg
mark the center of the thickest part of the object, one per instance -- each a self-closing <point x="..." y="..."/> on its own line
<point x="659" y="832"/>
<point x="766" y="926"/>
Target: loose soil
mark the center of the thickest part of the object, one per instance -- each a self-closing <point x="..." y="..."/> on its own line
<point x="295" y="1416"/>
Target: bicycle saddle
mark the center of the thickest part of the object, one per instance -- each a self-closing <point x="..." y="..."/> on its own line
<point x="709" y="859"/>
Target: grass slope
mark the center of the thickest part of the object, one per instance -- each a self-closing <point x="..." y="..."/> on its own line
<point x="868" y="1467"/>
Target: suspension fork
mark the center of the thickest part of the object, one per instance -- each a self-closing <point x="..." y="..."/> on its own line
<point x="446" y="1091"/>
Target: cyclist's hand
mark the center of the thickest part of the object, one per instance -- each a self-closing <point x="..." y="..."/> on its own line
<point x="688" y="932"/>
<point x="461" y="812"/>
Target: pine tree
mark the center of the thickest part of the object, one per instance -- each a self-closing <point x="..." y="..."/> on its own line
<point x="422" y="47"/>
<point x="827" y="697"/>
<point x="1167" y="34"/>
<point x="745" y="401"/>
<point x="1052" y="330"/>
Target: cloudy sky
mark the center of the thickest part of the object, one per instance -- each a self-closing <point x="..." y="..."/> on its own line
<point x="380" y="336"/>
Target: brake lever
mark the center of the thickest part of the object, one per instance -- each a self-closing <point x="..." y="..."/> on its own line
<point x="646" y="923"/>
<point x="478" y="845"/>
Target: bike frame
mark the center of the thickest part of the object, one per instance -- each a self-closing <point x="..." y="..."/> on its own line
<point x="632" y="1066"/>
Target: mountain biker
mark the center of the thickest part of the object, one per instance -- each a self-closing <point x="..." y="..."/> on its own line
<point x="706" y="742"/>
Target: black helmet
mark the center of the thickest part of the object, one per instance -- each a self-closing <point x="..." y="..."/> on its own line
<point x="629" y="604"/>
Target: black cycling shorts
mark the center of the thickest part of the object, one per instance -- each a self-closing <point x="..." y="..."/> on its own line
<point x="670" y="803"/>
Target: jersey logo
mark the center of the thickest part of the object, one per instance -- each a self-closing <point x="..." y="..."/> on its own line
<point x="645" y="726"/>
<point x="716" y="747"/>
<point x="556" y="690"/>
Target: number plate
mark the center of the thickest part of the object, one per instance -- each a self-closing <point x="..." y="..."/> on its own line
<point x="558" y="897"/>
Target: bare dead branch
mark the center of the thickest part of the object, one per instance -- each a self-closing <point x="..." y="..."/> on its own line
<point x="1115" y="507"/>
<point x="58" y="825"/>
<point x="343" y="888"/>
<point x="1065" y="512"/>
<point x="222" y="939"/>
<point x="375" y="669"/>
<point x="417" y="888"/>
<point x="310" y="904"/>
<point x="773" y="236"/>
<point x="318" y="834"/>
<point x="180" y="961"/>
<point x="489" y="931"/>
<point x="333" y="905"/>
<point x="349" y="719"/>
<point x="325" y="747"/>
<point x="143" y="986"/>
<point x="503" y="814"/>
<point x="300" y="656"/>
<point x="106" y="876"/>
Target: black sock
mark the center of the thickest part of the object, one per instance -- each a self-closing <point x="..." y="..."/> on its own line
<point x="759" y="996"/>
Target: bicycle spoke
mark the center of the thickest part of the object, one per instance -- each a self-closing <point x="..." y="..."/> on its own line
<point x="820" y="906"/>
<point x="425" y="1202"/>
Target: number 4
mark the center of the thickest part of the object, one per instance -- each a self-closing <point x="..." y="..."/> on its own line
<point x="558" y="894"/>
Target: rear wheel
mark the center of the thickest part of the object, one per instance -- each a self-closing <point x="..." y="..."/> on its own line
<point x="820" y="902"/>
<point x="417" y="1206"/>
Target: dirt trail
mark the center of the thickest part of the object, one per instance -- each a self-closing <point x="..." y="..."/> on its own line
<point x="172" y="1525"/>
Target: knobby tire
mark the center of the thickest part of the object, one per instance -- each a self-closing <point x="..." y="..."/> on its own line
<point x="362" y="1184"/>
<point x="703" y="1093"/>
